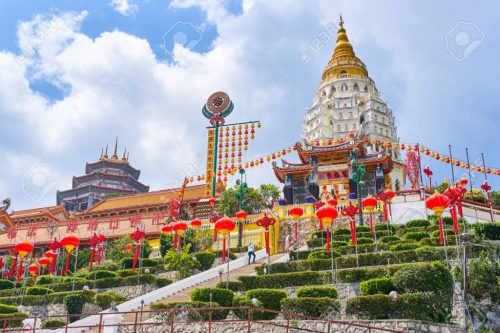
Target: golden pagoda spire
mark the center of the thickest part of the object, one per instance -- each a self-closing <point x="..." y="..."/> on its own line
<point x="344" y="62"/>
<point x="124" y="157"/>
<point x="115" y="152"/>
<point x="102" y="153"/>
<point x="105" y="152"/>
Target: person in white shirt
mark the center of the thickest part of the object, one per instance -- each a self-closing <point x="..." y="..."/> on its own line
<point x="251" y="252"/>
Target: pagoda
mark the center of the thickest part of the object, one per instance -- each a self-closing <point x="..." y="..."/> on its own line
<point x="109" y="176"/>
<point x="347" y="122"/>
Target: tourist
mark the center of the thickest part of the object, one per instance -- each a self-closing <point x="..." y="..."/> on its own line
<point x="251" y="252"/>
<point x="287" y="243"/>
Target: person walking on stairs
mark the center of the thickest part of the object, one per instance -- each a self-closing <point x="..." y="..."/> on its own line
<point x="251" y="252"/>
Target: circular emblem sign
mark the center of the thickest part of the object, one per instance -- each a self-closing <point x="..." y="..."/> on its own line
<point x="218" y="106"/>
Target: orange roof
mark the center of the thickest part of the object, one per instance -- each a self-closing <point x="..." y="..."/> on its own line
<point x="52" y="211"/>
<point x="149" y="198"/>
<point x="5" y="220"/>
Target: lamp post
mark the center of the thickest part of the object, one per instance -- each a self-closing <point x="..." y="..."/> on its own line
<point x="358" y="175"/>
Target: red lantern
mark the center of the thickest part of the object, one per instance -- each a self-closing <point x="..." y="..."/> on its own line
<point x="196" y="224"/>
<point x="438" y="203"/>
<point x="69" y="242"/>
<point x="179" y="229"/>
<point x="351" y="211"/>
<point x="166" y="229"/>
<point x="428" y="173"/>
<point x="369" y="203"/>
<point x="44" y="262"/>
<point x="265" y="222"/>
<point x="455" y="195"/>
<point x="212" y="202"/>
<point x="241" y="216"/>
<point x="464" y="181"/>
<point x="23" y="249"/>
<point x="33" y="270"/>
<point x="52" y="255"/>
<point x="326" y="215"/>
<point x="137" y="236"/>
<point x="223" y="227"/>
<point x="386" y="197"/>
<point x="295" y="213"/>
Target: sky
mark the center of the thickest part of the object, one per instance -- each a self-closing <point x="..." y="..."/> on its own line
<point x="76" y="74"/>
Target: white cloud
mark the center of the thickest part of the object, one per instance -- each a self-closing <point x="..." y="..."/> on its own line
<point x="124" y="7"/>
<point x="215" y="10"/>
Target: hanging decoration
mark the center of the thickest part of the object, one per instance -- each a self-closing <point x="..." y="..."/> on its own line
<point x="179" y="229"/>
<point x="54" y="246"/>
<point x="370" y="203"/>
<point x="44" y="262"/>
<point x="224" y="226"/>
<point x="33" y="269"/>
<point x="326" y="215"/>
<point x="52" y="255"/>
<point x="386" y="197"/>
<point x="265" y="222"/>
<point x="412" y="167"/>
<point x="241" y="216"/>
<point x="94" y="243"/>
<point x="351" y="211"/>
<point x="196" y="224"/>
<point x="296" y="213"/>
<point x="13" y="267"/>
<point x="24" y="249"/>
<point x="137" y="237"/>
<point x="428" y="173"/>
<point x="438" y="203"/>
<point x="69" y="243"/>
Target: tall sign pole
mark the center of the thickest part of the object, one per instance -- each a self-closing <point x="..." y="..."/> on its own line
<point x="218" y="107"/>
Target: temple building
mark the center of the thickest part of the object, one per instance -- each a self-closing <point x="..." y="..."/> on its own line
<point x="109" y="176"/>
<point x="347" y="115"/>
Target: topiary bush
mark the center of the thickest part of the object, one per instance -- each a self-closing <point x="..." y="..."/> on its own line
<point x="53" y="323"/>
<point x="431" y="277"/>
<point x="487" y="230"/>
<point x="447" y="232"/>
<point x="241" y="301"/>
<point x="298" y="255"/>
<point x="310" y="306"/>
<point x="417" y="223"/>
<point x="362" y="228"/>
<point x="224" y="297"/>
<point x="45" y="279"/>
<point x="282" y="280"/>
<point x="322" y="254"/>
<point x="364" y="240"/>
<point x="5" y="309"/>
<point x="74" y="305"/>
<point x="314" y="291"/>
<point x="6" y="284"/>
<point x="404" y="246"/>
<point x="103" y="300"/>
<point x="377" y="286"/>
<point x="315" y="243"/>
<point x="341" y="231"/>
<point x="38" y="291"/>
<point x="206" y="260"/>
<point x="387" y="239"/>
<point x="416" y="236"/>
<point x="162" y="282"/>
<point x="101" y="274"/>
<point x="126" y="272"/>
<point x="385" y="227"/>
<point x="10" y="321"/>
<point x="269" y="299"/>
<point x="138" y="279"/>
<point x="231" y="285"/>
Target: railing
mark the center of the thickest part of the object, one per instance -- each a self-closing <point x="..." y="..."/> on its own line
<point x="247" y="318"/>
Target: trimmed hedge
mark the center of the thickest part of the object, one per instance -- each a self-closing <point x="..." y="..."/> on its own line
<point x="418" y="306"/>
<point x="417" y="223"/>
<point x="322" y="254"/>
<point x="223" y="297"/>
<point x="103" y="300"/>
<point x="362" y="228"/>
<point x="74" y="305"/>
<point x="101" y="274"/>
<point x="13" y="319"/>
<point x="323" y="291"/>
<point x="30" y="300"/>
<point x="53" y="323"/>
<point x="38" y="291"/>
<point x="341" y="231"/>
<point x="488" y="230"/>
<point x="385" y="227"/>
<point x="432" y="277"/>
<point x="296" y="266"/>
<point x="310" y="306"/>
<point x="162" y="282"/>
<point x="298" y="255"/>
<point x="6" y="284"/>
<point x="206" y="260"/>
<point x="231" y="285"/>
<point x="282" y="280"/>
<point x="364" y="240"/>
<point x="416" y="236"/>
<point x="269" y="299"/>
<point x="404" y="246"/>
<point x="45" y="279"/>
<point x="126" y="263"/>
<point x="315" y="243"/>
<point x="447" y="232"/>
<point x="4" y="309"/>
<point x="387" y="239"/>
<point x="377" y="286"/>
<point x="241" y="301"/>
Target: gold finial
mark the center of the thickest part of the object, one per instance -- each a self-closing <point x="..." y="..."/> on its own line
<point x="124" y="157"/>
<point x="115" y="152"/>
<point x="102" y="153"/>
<point x="128" y="154"/>
<point x="341" y="22"/>
<point x="106" y="152"/>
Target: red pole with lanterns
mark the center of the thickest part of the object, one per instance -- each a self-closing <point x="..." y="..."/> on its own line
<point x="44" y="262"/>
<point x="224" y="226"/>
<point x="351" y="211"/>
<point x="296" y="213"/>
<point x="265" y="222"/>
<point x="137" y="236"/>
<point x="179" y="229"/>
<point x="369" y="203"/>
<point x="24" y="248"/>
<point x="326" y="215"/>
<point x="438" y="203"/>
<point x="69" y="243"/>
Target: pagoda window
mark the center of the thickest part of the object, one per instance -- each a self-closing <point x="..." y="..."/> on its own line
<point x="338" y="128"/>
<point x="355" y="87"/>
<point x="386" y="132"/>
<point x="353" y="127"/>
<point x="376" y="119"/>
<point x="366" y="89"/>
<point x="341" y="116"/>
<point x="346" y="127"/>
<point x="350" y="115"/>
<point x="343" y="74"/>
<point x="343" y="87"/>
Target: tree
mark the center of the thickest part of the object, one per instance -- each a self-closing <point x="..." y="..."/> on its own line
<point x="269" y="194"/>
<point x="495" y="198"/>
<point x="255" y="199"/>
<point x="477" y="195"/>
<point x="124" y="246"/>
<point x="166" y="243"/>
<point x="182" y="261"/>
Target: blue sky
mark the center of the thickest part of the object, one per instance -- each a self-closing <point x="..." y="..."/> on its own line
<point x="73" y="75"/>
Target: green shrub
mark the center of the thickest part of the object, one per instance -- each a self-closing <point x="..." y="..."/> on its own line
<point x="362" y="248"/>
<point x="269" y="299"/>
<point x="138" y="279"/>
<point x="53" y="323"/>
<point x="13" y="319"/>
<point x="404" y="246"/>
<point x="38" y="291"/>
<point x="71" y="279"/>
<point x="45" y="279"/>
<point x="384" y="227"/>
<point x="315" y="243"/>
<point x="282" y="280"/>
<point x="447" y="232"/>
<point x="416" y="236"/>
<point x="103" y="300"/>
<point x="364" y="240"/>
<point x="298" y="255"/>
<point x="419" y="306"/>
<point x="74" y="305"/>
<point x="322" y="254"/>
<point x="206" y="260"/>
<point x="341" y="231"/>
<point x="126" y="272"/>
<point x="5" y="309"/>
<point x="323" y="291"/>
<point x="101" y="274"/>
<point x="310" y="306"/>
<point x="231" y="285"/>
<point x="376" y="258"/>
<point x="387" y="239"/>
<point x="162" y="282"/>
<point x="336" y="244"/>
<point x="430" y="277"/>
<point x="362" y="228"/>
<point x="6" y="284"/>
<point x="241" y="301"/>
<point x="126" y="263"/>
<point x="488" y="230"/>
<point x="417" y="223"/>
<point x="377" y="286"/>
<point x="223" y="297"/>
<point x="296" y="266"/>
